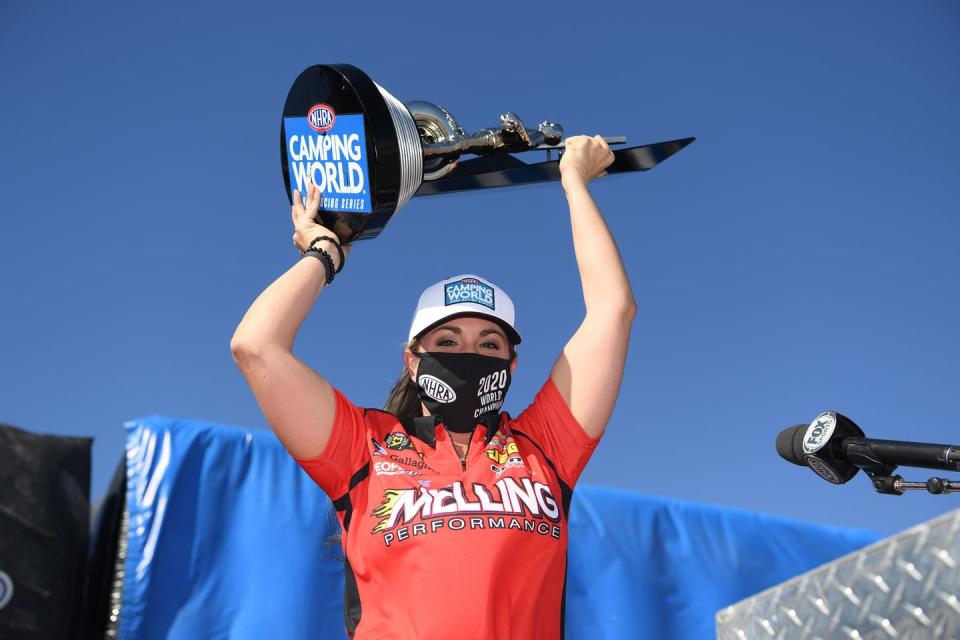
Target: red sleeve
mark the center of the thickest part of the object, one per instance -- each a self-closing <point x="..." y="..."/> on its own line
<point x="346" y="451"/>
<point x="549" y="423"/>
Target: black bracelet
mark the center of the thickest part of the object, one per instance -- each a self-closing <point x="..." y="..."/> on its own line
<point x="325" y="258"/>
<point x="335" y="243"/>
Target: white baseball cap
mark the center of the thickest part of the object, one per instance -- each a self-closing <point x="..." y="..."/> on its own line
<point x="463" y="295"/>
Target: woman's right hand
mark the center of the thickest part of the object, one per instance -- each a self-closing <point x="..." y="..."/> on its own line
<point x="305" y="227"/>
<point x="584" y="159"/>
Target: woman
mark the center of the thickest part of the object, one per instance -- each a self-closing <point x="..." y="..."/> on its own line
<point x="453" y="514"/>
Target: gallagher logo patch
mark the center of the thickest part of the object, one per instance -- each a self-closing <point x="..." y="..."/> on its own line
<point x="468" y="290"/>
<point x="321" y="117"/>
<point x="436" y="388"/>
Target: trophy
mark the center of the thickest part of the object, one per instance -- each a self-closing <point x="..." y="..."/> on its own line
<point x="369" y="154"/>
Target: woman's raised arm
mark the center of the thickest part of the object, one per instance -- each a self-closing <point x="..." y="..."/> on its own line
<point x="590" y="368"/>
<point x="297" y="402"/>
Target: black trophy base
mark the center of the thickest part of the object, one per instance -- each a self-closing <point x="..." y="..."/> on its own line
<point x="488" y="172"/>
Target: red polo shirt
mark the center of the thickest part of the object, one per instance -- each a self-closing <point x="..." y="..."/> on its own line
<point x="441" y="549"/>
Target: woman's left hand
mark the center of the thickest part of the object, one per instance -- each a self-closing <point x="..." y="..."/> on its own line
<point x="585" y="158"/>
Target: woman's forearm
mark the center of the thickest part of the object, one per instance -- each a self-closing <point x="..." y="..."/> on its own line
<point x="602" y="276"/>
<point x="274" y="318"/>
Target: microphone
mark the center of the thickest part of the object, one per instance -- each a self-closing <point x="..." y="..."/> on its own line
<point x="835" y="448"/>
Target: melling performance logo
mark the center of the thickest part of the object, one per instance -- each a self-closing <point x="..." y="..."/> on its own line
<point x="522" y="505"/>
<point x="330" y="151"/>
<point x="468" y="290"/>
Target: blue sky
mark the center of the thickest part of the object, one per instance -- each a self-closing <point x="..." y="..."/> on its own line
<point x="800" y="256"/>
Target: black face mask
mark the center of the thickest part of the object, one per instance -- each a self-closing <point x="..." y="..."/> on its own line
<point x="461" y="387"/>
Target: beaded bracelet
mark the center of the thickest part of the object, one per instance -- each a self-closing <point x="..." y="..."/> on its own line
<point x="335" y="243"/>
<point x="325" y="258"/>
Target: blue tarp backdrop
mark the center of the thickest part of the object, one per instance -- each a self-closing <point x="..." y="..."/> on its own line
<point x="228" y="538"/>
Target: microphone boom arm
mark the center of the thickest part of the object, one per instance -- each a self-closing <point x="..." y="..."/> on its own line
<point x="896" y="485"/>
<point x="866" y="454"/>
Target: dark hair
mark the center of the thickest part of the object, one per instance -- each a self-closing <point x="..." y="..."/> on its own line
<point x="403" y="400"/>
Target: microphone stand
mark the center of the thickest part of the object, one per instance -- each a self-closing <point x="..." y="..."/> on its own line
<point x="896" y="485"/>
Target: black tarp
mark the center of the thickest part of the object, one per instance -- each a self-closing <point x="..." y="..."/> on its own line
<point x="44" y="520"/>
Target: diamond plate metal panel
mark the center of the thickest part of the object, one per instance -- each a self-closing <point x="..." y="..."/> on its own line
<point x="905" y="587"/>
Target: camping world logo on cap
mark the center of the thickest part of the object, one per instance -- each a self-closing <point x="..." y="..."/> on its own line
<point x="321" y="117"/>
<point x="468" y="290"/>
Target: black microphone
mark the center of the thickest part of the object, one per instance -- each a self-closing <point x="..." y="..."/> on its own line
<point x="835" y="448"/>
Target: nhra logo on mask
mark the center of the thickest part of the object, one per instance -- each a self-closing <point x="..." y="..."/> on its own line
<point x="321" y="118"/>
<point x="468" y="290"/>
<point x="436" y="389"/>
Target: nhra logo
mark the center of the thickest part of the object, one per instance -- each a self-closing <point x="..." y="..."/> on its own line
<point x="321" y="117"/>
<point x="436" y="389"/>
<point x="468" y="290"/>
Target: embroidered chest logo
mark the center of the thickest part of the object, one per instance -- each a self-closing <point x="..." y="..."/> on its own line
<point x="378" y="449"/>
<point x="398" y="441"/>
<point x="384" y="468"/>
<point x="510" y="503"/>
<point x="504" y="455"/>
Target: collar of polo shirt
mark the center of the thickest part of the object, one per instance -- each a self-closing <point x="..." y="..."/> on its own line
<point x="423" y="427"/>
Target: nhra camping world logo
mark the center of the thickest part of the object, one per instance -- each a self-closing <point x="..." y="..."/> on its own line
<point x="330" y="151"/>
<point x="321" y="118"/>
<point x="468" y="290"/>
<point x="511" y="503"/>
